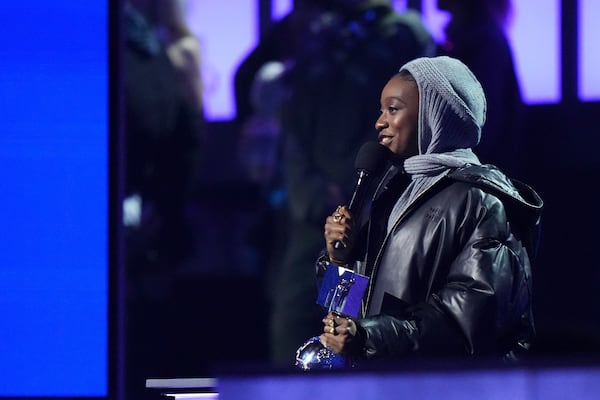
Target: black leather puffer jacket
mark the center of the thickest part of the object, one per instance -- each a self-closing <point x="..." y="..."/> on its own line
<point x="453" y="277"/>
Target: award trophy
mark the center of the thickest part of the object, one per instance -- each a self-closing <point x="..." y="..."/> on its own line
<point x="341" y="292"/>
<point x="342" y="289"/>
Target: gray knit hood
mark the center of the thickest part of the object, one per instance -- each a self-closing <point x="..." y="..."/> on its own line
<point x="452" y="109"/>
<point x="452" y="105"/>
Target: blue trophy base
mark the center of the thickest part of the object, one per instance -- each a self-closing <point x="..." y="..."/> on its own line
<point x="341" y="292"/>
<point x="312" y="355"/>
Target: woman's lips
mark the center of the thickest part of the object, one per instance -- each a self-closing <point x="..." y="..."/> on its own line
<point x="385" y="140"/>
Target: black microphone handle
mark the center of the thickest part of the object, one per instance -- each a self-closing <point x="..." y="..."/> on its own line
<point x="356" y="200"/>
<point x="338" y="245"/>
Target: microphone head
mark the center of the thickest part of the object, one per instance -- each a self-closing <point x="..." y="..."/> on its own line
<point x="372" y="157"/>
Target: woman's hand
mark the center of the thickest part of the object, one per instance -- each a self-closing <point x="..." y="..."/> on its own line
<point x="338" y="333"/>
<point x="339" y="228"/>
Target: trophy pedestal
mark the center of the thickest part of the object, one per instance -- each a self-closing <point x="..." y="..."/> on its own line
<point x="341" y="292"/>
<point x="313" y="355"/>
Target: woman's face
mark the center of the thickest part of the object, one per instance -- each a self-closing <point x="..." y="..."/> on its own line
<point x="397" y="124"/>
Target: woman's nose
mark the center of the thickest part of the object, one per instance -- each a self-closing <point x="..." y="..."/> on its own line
<point x="381" y="123"/>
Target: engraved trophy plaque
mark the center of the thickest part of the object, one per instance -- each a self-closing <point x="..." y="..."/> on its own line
<point x="341" y="292"/>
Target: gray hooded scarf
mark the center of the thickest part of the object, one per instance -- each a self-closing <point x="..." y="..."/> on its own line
<point x="452" y="110"/>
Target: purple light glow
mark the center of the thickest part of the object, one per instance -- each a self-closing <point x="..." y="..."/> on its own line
<point x="535" y="39"/>
<point x="589" y="53"/>
<point x="503" y="383"/>
<point x="435" y="19"/>
<point x="226" y="34"/>
<point x="280" y="8"/>
<point x="534" y="34"/>
<point x="400" y="5"/>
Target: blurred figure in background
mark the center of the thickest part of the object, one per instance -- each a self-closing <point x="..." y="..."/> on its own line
<point x="280" y="44"/>
<point x="476" y="35"/>
<point x="163" y="129"/>
<point x="261" y="87"/>
<point x="183" y="50"/>
<point x="259" y="154"/>
<point x="164" y="125"/>
<point x="330" y="98"/>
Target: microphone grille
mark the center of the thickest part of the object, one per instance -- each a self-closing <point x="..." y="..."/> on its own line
<point x="372" y="157"/>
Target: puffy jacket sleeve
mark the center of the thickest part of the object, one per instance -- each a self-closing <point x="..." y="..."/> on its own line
<point x="477" y="306"/>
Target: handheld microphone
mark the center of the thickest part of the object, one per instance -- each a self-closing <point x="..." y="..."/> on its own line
<point x="370" y="160"/>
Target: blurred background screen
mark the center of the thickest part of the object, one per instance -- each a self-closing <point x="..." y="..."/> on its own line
<point x="589" y="56"/>
<point x="53" y="206"/>
<point x="533" y="30"/>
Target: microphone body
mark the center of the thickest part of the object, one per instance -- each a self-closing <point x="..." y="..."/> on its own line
<point x="363" y="179"/>
<point x="371" y="159"/>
